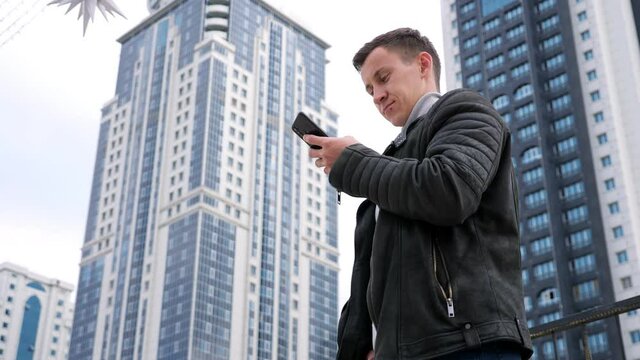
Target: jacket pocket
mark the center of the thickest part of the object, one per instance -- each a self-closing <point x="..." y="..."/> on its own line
<point x="442" y="278"/>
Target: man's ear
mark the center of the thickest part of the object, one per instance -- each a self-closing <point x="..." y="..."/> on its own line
<point x="426" y="63"/>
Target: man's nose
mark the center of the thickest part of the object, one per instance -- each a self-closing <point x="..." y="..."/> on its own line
<point x="379" y="95"/>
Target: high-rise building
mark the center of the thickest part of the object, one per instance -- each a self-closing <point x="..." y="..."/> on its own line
<point x="210" y="233"/>
<point x="565" y="75"/>
<point x="35" y="315"/>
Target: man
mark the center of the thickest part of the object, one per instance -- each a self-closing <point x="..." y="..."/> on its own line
<point x="437" y="261"/>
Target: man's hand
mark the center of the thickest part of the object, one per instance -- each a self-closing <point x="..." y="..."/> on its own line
<point x="370" y="355"/>
<point x="331" y="149"/>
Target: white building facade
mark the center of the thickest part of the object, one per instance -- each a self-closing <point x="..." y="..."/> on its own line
<point x="35" y="315"/>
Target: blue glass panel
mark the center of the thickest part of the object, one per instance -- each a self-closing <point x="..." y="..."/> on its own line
<point x="214" y="290"/>
<point x="215" y="125"/>
<point x="86" y="310"/>
<point x="489" y="6"/>
<point x="323" y="316"/>
<point x="36" y="285"/>
<point x="178" y="289"/>
<point x="29" y="330"/>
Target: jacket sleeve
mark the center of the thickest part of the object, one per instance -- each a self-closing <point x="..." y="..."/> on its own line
<point x="443" y="188"/>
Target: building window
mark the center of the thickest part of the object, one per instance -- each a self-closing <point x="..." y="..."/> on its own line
<point x="545" y="5"/>
<point x="576" y="215"/>
<point x="472" y="60"/>
<point x="585" y="35"/>
<point x="605" y="161"/>
<point x="598" y="117"/>
<point x="566" y="146"/>
<point x="588" y="55"/>
<point x="528" y="132"/>
<point x="523" y="91"/>
<point x="582" y="16"/>
<point x="592" y="75"/>
<point x="542" y="245"/>
<point x="500" y="102"/>
<point x="513" y="13"/>
<point x="491" y="24"/>
<point x="610" y="184"/>
<point x="618" y="232"/>
<point x="614" y="208"/>
<point x="626" y="282"/>
<point x="515" y="31"/>
<point x="497" y="81"/>
<point x="544" y="270"/>
<point x="556" y="82"/>
<point x="548" y="297"/>
<point x="495" y="61"/>
<point x="520" y="70"/>
<point x="563" y="124"/>
<point x="536" y="199"/>
<point x="470" y="6"/>
<point x="582" y="264"/>
<point x="533" y="176"/>
<point x="559" y="103"/>
<point x="469" y="24"/>
<point x="579" y="239"/>
<point x="598" y="342"/>
<point x="545" y="318"/>
<point x="622" y="257"/>
<point x="548" y="23"/>
<point x="586" y="290"/>
<point x="569" y="168"/>
<point x="474" y="79"/>
<point x="551" y="42"/>
<point x="595" y="95"/>
<point x="493" y="42"/>
<point x="538" y="222"/>
<point x="602" y="139"/>
<point x="528" y="303"/>
<point x="572" y="191"/>
<point x="518" y="51"/>
<point x="471" y="42"/>
<point x="531" y="154"/>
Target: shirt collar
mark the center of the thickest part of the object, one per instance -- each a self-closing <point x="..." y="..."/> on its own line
<point x="422" y="106"/>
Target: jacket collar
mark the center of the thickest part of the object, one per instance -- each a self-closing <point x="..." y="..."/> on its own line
<point x="422" y="106"/>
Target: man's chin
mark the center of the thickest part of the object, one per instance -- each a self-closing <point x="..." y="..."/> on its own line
<point x="396" y="122"/>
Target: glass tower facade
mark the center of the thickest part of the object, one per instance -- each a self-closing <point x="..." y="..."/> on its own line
<point x="210" y="233"/>
<point x="543" y="66"/>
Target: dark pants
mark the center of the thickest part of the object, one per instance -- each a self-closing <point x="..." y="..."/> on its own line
<point x="491" y="351"/>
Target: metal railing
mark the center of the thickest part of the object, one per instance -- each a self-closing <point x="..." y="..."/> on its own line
<point x="582" y="318"/>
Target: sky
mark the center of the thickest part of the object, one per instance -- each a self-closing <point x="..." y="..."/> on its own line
<point x="54" y="81"/>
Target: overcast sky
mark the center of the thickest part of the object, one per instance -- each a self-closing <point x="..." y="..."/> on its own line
<point x="53" y="82"/>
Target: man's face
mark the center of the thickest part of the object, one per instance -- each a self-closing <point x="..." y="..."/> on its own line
<point x="395" y="84"/>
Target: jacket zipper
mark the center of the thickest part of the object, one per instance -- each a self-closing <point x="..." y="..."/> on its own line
<point x="448" y="293"/>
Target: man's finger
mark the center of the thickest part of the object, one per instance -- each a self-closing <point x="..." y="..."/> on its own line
<point x="313" y="139"/>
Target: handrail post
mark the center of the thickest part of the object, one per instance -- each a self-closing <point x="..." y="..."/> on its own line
<point x="554" y="339"/>
<point x="585" y="344"/>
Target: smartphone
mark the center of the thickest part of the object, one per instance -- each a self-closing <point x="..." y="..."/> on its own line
<point x="303" y="126"/>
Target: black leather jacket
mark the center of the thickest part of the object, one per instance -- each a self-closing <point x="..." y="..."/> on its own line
<point x="439" y="270"/>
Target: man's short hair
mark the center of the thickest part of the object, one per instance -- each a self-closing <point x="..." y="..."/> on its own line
<point x="407" y="42"/>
